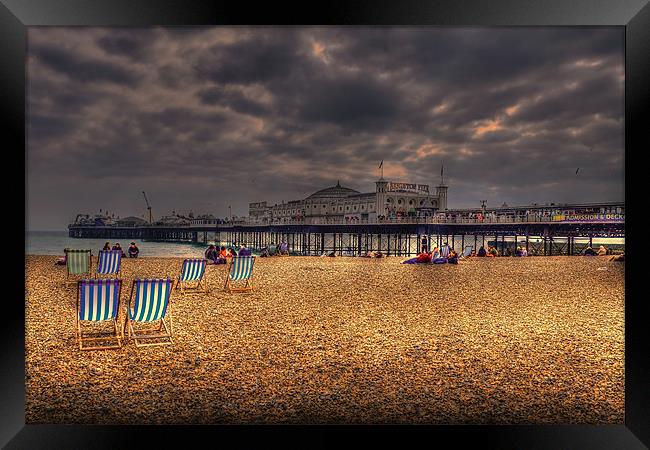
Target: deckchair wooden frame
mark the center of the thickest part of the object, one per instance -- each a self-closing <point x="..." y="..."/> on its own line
<point x="201" y="284"/>
<point x="67" y="267"/>
<point x="117" y="334"/>
<point x="145" y="334"/>
<point x="230" y="284"/>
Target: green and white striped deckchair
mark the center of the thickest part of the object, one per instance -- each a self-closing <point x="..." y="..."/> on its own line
<point x="193" y="270"/>
<point x="150" y="298"/>
<point x="240" y="270"/>
<point x="98" y="300"/>
<point x="109" y="262"/>
<point x="78" y="262"/>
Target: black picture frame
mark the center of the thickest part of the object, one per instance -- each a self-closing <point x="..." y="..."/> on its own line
<point x="634" y="15"/>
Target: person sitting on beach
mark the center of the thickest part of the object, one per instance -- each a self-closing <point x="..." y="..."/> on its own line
<point x="435" y="253"/>
<point x="107" y="246"/>
<point x="231" y="252"/>
<point x="589" y="252"/>
<point x="62" y="260"/>
<point x="243" y="251"/>
<point x="602" y="251"/>
<point x="211" y="254"/>
<point x="618" y="258"/>
<point x="423" y="257"/>
<point x="492" y="251"/>
<point x="117" y="246"/>
<point x="453" y="257"/>
<point x="133" y="250"/>
<point x="481" y="251"/>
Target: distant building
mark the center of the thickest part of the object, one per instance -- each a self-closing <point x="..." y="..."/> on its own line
<point x="131" y="221"/>
<point x="338" y="204"/>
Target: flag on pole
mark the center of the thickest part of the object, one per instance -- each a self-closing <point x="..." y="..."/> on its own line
<point x="381" y="164"/>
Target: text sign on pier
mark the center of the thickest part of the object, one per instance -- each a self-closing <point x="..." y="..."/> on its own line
<point x="408" y="187"/>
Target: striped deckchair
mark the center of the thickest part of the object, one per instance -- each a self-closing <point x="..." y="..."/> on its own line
<point x="444" y="251"/>
<point x="240" y="270"/>
<point x="109" y="262"/>
<point x="151" y="304"/>
<point x="192" y="270"/>
<point x="78" y="262"/>
<point x="98" y="300"/>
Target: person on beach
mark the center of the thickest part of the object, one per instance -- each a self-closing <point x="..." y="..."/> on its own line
<point x="602" y="251"/>
<point x="435" y="253"/>
<point x="211" y="254"/>
<point x="481" y="252"/>
<point x="62" y="260"/>
<point x="231" y="252"/>
<point x="618" y="258"/>
<point x="492" y="251"/>
<point x="423" y="257"/>
<point x="589" y="252"/>
<point x="133" y="250"/>
<point x="117" y="246"/>
<point x="243" y="251"/>
<point x="424" y="244"/>
<point x="107" y="246"/>
<point x="453" y="257"/>
<point x="223" y="253"/>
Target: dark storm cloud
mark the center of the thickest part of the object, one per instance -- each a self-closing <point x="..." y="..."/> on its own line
<point x="202" y="118"/>
<point x="81" y="69"/>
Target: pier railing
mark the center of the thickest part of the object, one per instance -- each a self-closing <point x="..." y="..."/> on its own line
<point x="530" y="218"/>
<point x="440" y="219"/>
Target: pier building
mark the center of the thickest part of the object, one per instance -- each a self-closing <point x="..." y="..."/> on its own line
<point x="340" y="204"/>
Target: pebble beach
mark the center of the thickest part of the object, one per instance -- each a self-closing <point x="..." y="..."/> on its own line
<point x="536" y="340"/>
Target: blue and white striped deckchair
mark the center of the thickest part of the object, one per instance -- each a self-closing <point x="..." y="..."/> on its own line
<point x="150" y="298"/>
<point x="192" y="270"/>
<point x="467" y="251"/>
<point x="240" y="270"/>
<point x="444" y="251"/>
<point x="78" y="262"/>
<point x="98" y="300"/>
<point x="109" y="262"/>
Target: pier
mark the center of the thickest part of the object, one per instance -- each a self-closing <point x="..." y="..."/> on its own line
<point x="551" y="235"/>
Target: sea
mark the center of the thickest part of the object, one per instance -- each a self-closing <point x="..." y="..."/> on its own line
<point x="53" y="243"/>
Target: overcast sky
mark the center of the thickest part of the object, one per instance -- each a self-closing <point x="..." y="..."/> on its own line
<point x="205" y="117"/>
